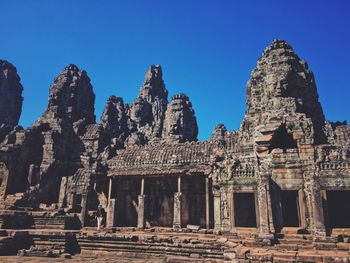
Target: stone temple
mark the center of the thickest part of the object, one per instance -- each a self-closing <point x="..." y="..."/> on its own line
<point x="278" y="188"/>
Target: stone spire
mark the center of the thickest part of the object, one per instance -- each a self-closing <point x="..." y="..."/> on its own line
<point x="153" y="86"/>
<point x="71" y="96"/>
<point x="282" y="85"/>
<point x="219" y="132"/>
<point x="10" y="98"/>
<point x="180" y="124"/>
<point x="148" y="110"/>
<point x="114" y="120"/>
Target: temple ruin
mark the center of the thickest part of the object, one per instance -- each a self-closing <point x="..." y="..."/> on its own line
<point x="284" y="173"/>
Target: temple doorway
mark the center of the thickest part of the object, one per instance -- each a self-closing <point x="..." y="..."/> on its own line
<point x="290" y="208"/>
<point x="338" y="208"/>
<point x="127" y="195"/>
<point x="159" y="210"/>
<point x="193" y="201"/>
<point x="244" y="210"/>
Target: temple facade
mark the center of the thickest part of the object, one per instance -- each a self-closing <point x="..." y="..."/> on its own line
<point x="286" y="167"/>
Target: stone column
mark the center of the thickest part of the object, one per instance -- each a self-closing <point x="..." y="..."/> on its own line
<point x="141" y="206"/>
<point x="233" y="222"/>
<point x="110" y="222"/>
<point x="5" y="176"/>
<point x="110" y="189"/>
<point x="177" y="205"/>
<point x="217" y="210"/>
<point x="263" y="206"/>
<point x="83" y="208"/>
<point x="269" y="207"/>
<point x="62" y="199"/>
<point x="207" y="203"/>
<point x="301" y="201"/>
<point x="317" y="208"/>
<point x="313" y="194"/>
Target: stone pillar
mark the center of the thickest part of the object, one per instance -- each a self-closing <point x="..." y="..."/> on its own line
<point x="263" y="206"/>
<point x="110" y="189"/>
<point x="62" y="199"/>
<point x="301" y="201"/>
<point x="269" y="207"/>
<point x="83" y="208"/>
<point x="317" y="208"/>
<point x="141" y="212"/>
<point x="207" y="203"/>
<point x="141" y="207"/>
<point x="177" y="205"/>
<point x="217" y="210"/>
<point x="233" y="223"/>
<point x="4" y="172"/>
<point x="313" y="196"/>
<point x="111" y="213"/>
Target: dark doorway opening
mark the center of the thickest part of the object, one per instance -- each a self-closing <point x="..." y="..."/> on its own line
<point x="338" y="208"/>
<point x="193" y="201"/>
<point x="160" y="201"/>
<point x="290" y="208"/>
<point x="244" y="206"/>
<point x="127" y="193"/>
<point x="77" y="203"/>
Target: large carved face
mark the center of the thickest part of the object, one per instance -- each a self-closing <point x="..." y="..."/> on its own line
<point x="136" y="111"/>
<point x="174" y="128"/>
<point x="281" y="88"/>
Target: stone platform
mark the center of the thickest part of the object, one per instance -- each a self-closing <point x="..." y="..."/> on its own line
<point x="166" y="245"/>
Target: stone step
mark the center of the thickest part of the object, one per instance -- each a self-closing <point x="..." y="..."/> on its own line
<point x="160" y="250"/>
<point x="182" y="246"/>
<point x="109" y="245"/>
<point x="294" y="247"/>
<point x="325" y="246"/>
<point x="296" y="237"/>
<point x="294" y="241"/>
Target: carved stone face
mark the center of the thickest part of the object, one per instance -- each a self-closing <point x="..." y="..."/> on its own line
<point x="281" y="88"/>
<point x="136" y="112"/>
<point x="174" y="129"/>
<point x="146" y="91"/>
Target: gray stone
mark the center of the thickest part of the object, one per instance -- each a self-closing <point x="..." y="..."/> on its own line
<point x="10" y="98"/>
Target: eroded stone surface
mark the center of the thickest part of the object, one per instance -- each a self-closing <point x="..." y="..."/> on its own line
<point x="10" y="98"/>
<point x="149" y="118"/>
<point x="180" y="124"/>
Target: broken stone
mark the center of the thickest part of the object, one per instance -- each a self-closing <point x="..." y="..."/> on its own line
<point x="193" y="227"/>
<point x="66" y="256"/>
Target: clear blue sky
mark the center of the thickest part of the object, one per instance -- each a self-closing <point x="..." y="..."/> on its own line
<point x="207" y="49"/>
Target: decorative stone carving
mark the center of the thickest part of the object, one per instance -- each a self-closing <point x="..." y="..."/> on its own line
<point x="115" y="121"/>
<point x="71" y="97"/>
<point x="180" y="124"/>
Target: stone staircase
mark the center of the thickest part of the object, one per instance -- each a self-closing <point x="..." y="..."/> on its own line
<point x="17" y="219"/>
<point x="49" y="222"/>
<point x="92" y="243"/>
<point x="195" y="247"/>
<point x="294" y="242"/>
